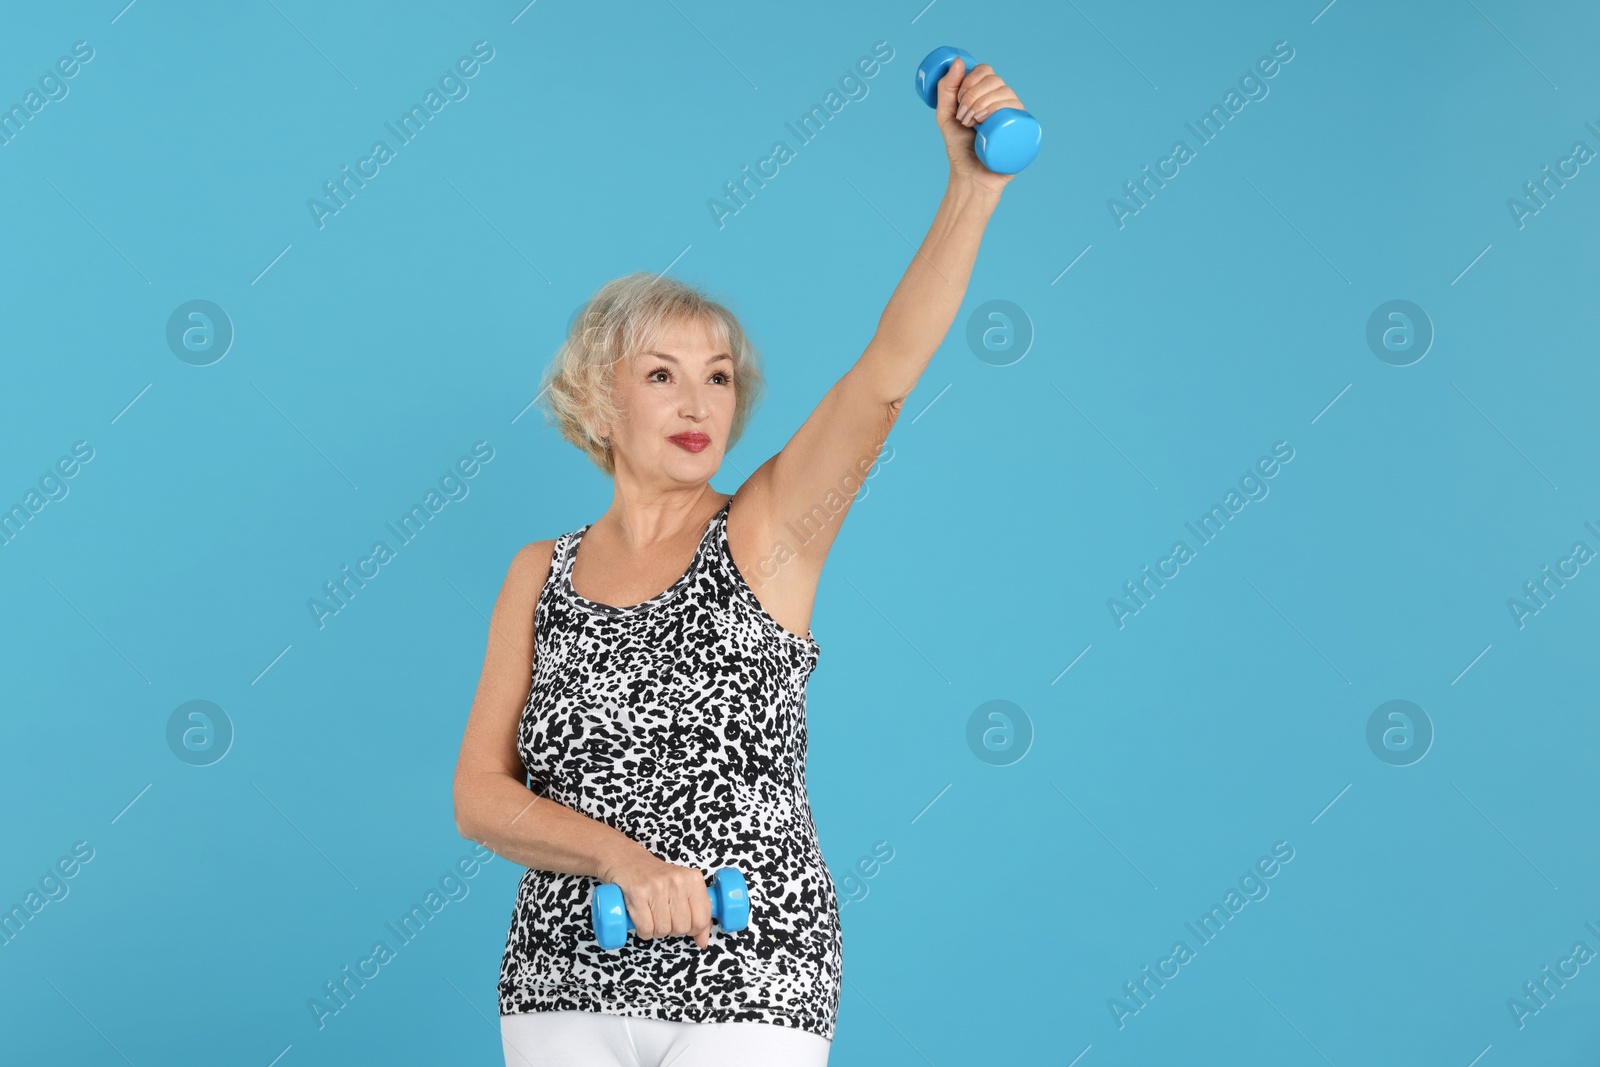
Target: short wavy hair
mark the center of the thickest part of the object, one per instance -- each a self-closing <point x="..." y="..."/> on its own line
<point x="624" y="317"/>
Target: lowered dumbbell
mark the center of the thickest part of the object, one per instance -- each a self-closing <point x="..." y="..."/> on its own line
<point x="730" y="908"/>
<point x="1007" y="140"/>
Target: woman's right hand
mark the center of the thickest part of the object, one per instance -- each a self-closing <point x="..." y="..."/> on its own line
<point x="662" y="898"/>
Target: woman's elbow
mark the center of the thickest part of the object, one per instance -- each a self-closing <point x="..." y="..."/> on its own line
<point x="465" y="809"/>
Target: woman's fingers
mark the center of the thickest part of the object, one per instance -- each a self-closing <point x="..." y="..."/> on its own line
<point x="638" y="908"/>
<point x="691" y="906"/>
<point x="681" y="908"/>
<point x="676" y="902"/>
<point x="654" y="917"/>
<point x="985" y="99"/>
<point x="700" y="911"/>
<point x="946" y="104"/>
<point x="657" y="916"/>
<point x="975" y="81"/>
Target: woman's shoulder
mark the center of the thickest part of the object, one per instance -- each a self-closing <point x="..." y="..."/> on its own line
<point x="530" y="569"/>
<point x="534" y="558"/>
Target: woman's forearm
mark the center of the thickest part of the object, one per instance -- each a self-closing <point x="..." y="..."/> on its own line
<point x="509" y="818"/>
<point x="918" y="315"/>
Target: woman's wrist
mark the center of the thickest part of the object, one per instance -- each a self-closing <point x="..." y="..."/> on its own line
<point x="968" y="188"/>
<point x="618" y="850"/>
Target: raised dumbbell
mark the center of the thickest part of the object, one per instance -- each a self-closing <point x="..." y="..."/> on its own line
<point x="1007" y="140"/>
<point x="730" y="908"/>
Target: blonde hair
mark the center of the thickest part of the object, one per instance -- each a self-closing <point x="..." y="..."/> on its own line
<point x="625" y="317"/>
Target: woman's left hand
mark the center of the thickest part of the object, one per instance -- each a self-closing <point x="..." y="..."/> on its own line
<point x="966" y="98"/>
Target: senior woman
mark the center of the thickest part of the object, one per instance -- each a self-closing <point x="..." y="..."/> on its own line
<point x="662" y="730"/>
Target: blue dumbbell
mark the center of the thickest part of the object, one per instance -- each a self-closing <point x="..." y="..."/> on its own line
<point x="730" y="908"/>
<point x="1007" y="140"/>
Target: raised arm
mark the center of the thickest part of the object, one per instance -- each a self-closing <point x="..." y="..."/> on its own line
<point x="817" y="473"/>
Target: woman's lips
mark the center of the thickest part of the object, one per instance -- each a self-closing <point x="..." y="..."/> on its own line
<point x="693" y="442"/>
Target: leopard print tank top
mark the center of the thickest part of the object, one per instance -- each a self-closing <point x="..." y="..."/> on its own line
<point x="681" y="722"/>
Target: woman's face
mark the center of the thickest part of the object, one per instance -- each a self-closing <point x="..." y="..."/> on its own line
<point x="681" y="387"/>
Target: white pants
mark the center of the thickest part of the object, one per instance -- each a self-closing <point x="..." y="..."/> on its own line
<point x="596" y="1039"/>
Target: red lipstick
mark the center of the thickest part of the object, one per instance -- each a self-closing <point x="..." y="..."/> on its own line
<point x="692" y="442"/>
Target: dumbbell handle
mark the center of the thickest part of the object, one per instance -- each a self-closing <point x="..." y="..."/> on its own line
<point x="1006" y="141"/>
<point x="716" y="911"/>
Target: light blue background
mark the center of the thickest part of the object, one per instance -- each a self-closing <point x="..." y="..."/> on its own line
<point x="1227" y="315"/>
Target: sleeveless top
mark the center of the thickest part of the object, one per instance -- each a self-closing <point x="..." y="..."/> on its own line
<point x="681" y="722"/>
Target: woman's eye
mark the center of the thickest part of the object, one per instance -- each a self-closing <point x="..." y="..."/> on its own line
<point x="725" y="377"/>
